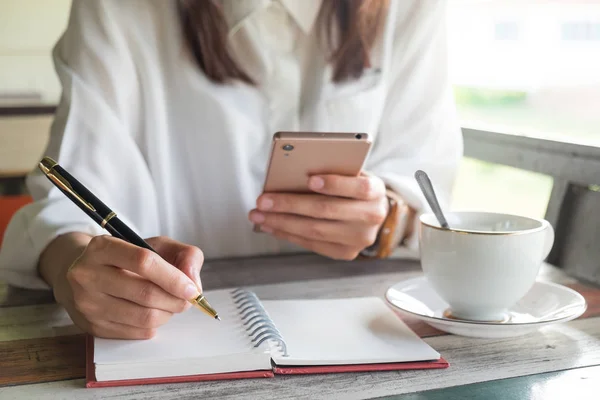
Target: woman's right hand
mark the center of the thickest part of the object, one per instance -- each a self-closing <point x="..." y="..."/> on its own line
<point x="118" y="290"/>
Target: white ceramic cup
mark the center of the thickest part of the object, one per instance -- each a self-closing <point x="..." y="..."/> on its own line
<point x="485" y="262"/>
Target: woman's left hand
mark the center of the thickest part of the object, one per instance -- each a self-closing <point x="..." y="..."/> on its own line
<point x="340" y="219"/>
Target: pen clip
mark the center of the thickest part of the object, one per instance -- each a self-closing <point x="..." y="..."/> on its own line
<point x="47" y="166"/>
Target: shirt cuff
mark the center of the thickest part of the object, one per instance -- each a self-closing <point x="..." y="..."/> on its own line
<point x="30" y="231"/>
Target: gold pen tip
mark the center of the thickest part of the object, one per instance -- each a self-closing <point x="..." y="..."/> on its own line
<point x="217" y="318"/>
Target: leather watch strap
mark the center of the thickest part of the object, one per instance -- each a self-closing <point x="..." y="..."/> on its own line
<point x="395" y="228"/>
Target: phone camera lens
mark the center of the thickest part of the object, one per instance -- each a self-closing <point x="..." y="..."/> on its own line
<point x="358" y="136"/>
<point x="288" y="147"/>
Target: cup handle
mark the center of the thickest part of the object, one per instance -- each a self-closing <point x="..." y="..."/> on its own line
<point x="549" y="240"/>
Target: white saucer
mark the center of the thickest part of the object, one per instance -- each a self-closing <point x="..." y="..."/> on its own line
<point x="545" y="303"/>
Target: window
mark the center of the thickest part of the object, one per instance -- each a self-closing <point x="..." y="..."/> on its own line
<point x="525" y="68"/>
<point x="540" y="85"/>
<point x="506" y="31"/>
<point x="581" y="31"/>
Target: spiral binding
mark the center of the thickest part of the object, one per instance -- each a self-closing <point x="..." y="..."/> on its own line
<point x="255" y="319"/>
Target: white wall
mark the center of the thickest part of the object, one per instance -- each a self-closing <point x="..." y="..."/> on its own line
<point x="28" y="31"/>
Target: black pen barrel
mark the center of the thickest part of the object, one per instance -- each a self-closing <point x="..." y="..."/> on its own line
<point x="126" y="233"/>
<point x="101" y="209"/>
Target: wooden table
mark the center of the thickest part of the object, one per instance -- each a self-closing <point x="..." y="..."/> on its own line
<point x="42" y="353"/>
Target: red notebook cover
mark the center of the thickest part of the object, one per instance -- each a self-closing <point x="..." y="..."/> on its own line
<point x="91" y="381"/>
<point x="329" y="369"/>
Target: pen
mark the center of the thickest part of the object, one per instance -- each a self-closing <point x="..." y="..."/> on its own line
<point x="103" y="215"/>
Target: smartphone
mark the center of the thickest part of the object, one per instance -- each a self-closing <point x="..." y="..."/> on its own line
<point x="295" y="156"/>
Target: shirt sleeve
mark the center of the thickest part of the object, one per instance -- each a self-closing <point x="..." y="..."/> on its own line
<point x="93" y="136"/>
<point x="419" y="128"/>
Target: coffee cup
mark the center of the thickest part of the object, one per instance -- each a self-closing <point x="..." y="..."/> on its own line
<point x="485" y="262"/>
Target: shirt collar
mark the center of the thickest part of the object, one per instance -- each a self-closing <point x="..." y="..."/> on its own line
<point x="304" y="12"/>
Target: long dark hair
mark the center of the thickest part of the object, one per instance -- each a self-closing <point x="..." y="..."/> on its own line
<point x="357" y="22"/>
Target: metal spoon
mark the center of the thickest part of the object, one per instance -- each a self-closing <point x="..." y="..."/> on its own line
<point x="427" y="189"/>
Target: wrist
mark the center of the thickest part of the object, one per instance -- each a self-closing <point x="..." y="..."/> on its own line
<point x="60" y="254"/>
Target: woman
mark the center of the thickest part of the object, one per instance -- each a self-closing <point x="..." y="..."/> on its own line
<point x="167" y="113"/>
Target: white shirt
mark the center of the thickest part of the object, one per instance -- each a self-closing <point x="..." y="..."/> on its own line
<point x="175" y="154"/>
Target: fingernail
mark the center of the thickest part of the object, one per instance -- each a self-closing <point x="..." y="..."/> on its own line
<point x="266" y="229"/>
<point x="265" y="203"/>
<point x="257" y="218"/>
<point x="191" y="292"/>
<point x="316" y="182"/>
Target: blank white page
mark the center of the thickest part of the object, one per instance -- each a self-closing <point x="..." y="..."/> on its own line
<point x="344" y="331"/>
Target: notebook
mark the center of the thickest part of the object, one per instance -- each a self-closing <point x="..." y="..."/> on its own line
<point x="259" y="339"/>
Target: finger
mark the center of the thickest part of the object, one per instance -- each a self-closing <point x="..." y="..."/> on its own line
<point x="331" y="250"/>
<point x="107" y="250"/>
<point x="104" y="328"/>
<point x="128" y="313"/>
<point x="126" y="285"/>
<point x="188" y="259"/>
<point x="101" y="306"/>
<point x="112" y="330"/>
<point x="364" y="187"/>
<point x="324" y="207"/>
<point x="314" y="229"/>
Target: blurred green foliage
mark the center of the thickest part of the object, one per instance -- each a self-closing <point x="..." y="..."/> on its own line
<point x="487" y="97"/>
